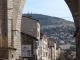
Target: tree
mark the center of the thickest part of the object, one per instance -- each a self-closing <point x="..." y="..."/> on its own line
<point x="62" y="57"/>
<point x="68" y="52"/>
<point x="72" y="48"/>
<point x="69" y="57"/>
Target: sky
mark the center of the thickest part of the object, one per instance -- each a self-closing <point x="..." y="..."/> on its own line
<point x="56" y="8"/>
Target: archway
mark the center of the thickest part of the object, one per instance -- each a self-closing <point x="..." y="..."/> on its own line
<point x="74" y="7"/>
<point x="13" y="19"/>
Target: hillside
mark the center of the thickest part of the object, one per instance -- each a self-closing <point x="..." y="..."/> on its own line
<point x="50" y="21"/>
<point x="58" y="29"/>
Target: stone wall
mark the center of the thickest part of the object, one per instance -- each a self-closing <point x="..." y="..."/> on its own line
<point x="14" y="13"/>
<point x="3" y="30"/>
<point x="10" y="25"/>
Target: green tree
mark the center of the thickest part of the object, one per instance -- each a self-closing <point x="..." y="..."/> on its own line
<point x="72" y="48"/>
<point x="69" y="57"/>
<point x="68" y="52"/>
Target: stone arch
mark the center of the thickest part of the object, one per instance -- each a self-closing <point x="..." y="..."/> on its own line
<point x="13" y="20"/>
<point x="14" y="14"/>
<point x="74" y="6"/>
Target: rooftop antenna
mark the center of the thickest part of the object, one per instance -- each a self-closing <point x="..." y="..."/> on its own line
<point x="28" y="14"/>
<point x="31" y="13"/>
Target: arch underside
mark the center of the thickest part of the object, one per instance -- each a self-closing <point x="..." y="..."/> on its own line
<point x="75" y="7"/>
<point x="14" y="13"/>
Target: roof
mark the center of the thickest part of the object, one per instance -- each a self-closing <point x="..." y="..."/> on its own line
<point x="30" y="17"/>
<point x="29" y="35"/>
<point x="43" y="35"/>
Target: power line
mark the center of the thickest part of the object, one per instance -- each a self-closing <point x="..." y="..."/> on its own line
<point x="67" y="17"/>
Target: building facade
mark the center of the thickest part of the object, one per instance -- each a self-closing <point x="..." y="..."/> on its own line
<point x="10" y="23"/>
<point x="54" y="50"/>
<point x="12" y="9"/>
<point x="31" y="41"/>
<point x="30" y="26"/>
<point x="58" y="52"/>
<point x="51" y="49"/>
<point x="43" y="47"/>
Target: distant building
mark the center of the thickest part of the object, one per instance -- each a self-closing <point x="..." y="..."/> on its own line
<point x="58" y="52"/>
<point x="30" y="26"/>
<point x="29" y="42"/>
<point x="53" y="49"/>
<point x="43" y="47"/>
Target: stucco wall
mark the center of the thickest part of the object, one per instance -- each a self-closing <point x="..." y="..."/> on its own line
<point x="31" y="27"/>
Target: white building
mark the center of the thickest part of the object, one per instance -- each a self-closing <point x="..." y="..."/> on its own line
<point x="43" y="47"/>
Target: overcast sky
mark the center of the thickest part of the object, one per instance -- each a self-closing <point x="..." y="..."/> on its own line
<point x="57" y="8"/>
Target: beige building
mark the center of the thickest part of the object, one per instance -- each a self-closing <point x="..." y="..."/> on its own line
<point x="10" y="11"/>
<point x="53" y="50"/>
<point x="30" y="26"/>
<point x="29" y="42"/>
<point x="50" y="49"/>
<point x="58" y="52"/>
<point x="43" y="47"/>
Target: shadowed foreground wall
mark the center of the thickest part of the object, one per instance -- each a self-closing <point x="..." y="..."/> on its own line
<point x="74" y="6"/>
<point x="3" y="29"/>
<point x="10" y="24"/>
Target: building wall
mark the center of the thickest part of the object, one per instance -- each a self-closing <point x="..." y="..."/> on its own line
<point x="14" y="14"/>
<point x="43" y="48"/>
<point x="12" y="54"/>
<point x="53" y="53"/>
<point x="49" y="53"/>
<point x="29" y="40"/>
<point x="31" y="27"/>
<point x="3" y="22"/>
<point x="56" y="53"/>
<point x="59" y="52"/>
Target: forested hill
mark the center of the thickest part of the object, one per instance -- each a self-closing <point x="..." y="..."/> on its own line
<point x="56" y="28"/>
<point x="48" y="20"/>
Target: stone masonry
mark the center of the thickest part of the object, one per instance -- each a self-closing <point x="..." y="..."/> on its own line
<point x="3" y="29"/>
<point x="10" y="23"/>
